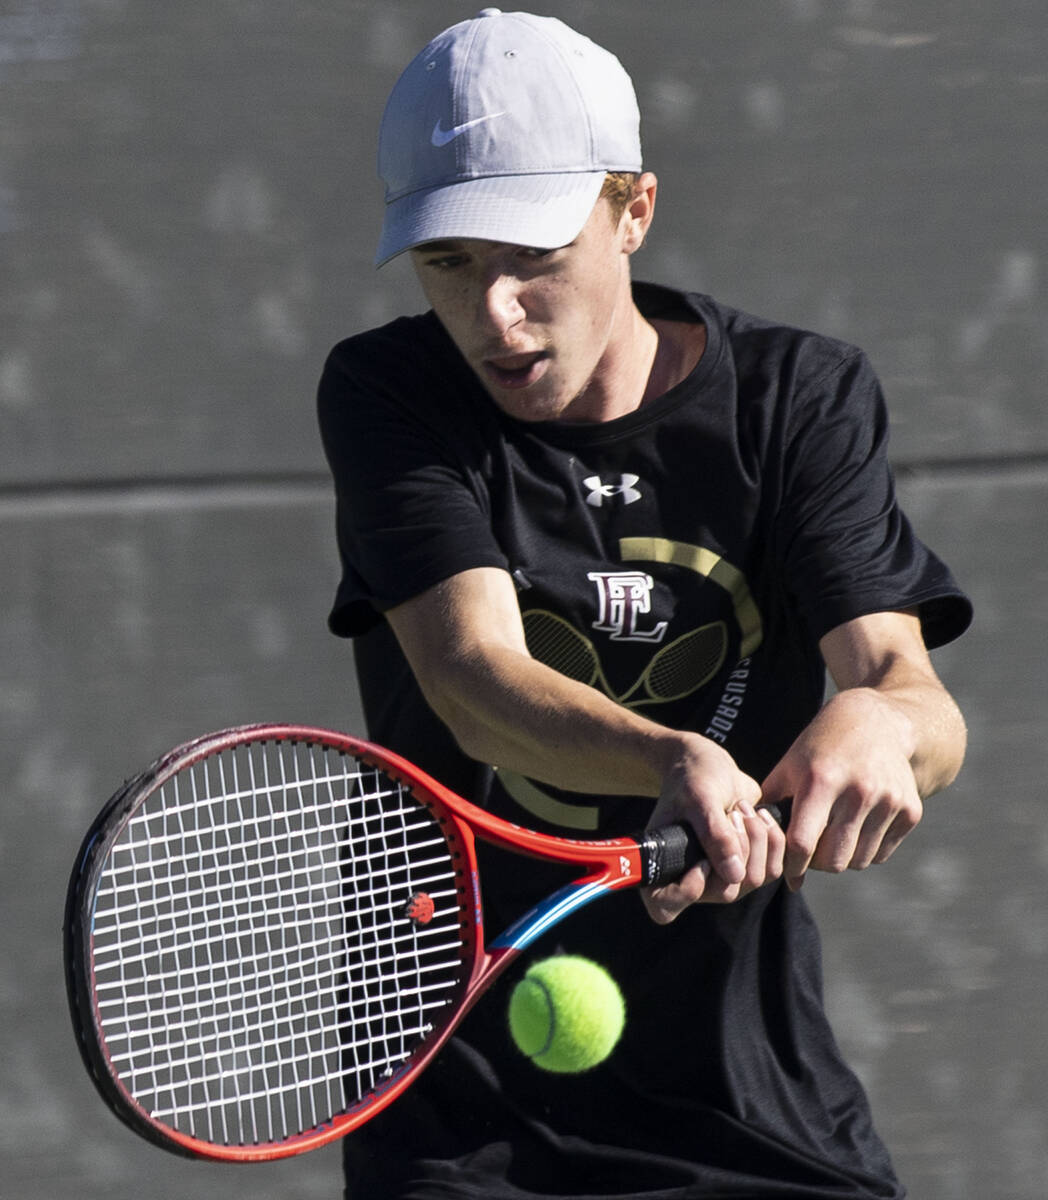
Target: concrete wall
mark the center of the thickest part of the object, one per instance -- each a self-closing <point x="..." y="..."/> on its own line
<point x="187" y="214"/>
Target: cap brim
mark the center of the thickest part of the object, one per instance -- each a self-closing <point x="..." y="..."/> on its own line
<point x="545" y="211"/>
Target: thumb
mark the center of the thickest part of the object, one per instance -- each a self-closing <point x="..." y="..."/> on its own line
<point x="778" y="785"/>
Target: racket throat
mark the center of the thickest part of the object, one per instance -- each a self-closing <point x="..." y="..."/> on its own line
<point x="550" y="912"/>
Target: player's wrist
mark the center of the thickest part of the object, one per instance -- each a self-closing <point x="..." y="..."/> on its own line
<point x="687" y="754"/>
<point x="875" y="709"/>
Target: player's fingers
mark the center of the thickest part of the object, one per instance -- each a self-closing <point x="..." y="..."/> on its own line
<point x="764" y="849"/>
<point x="807" y="822"/>
<point x="724" y="841"/>
<point x="724" y="846"/>
<point x="720" y="892"/>
<point x="703" y="883"/>
<point x="757" y="840"/>
<point x="840" y="837"/>
<point x="666" y="903"/>
<point x="767" y="843"/>
<point x="903" y="824"/>
<point x="862" y="830"/>
<point x="871" y="840"/>
<point x="774" y="846"/>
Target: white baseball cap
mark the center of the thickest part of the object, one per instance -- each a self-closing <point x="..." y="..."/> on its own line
<point x="503" y="128"/>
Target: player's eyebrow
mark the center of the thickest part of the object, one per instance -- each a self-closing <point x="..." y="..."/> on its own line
<point x="437" y="247"/>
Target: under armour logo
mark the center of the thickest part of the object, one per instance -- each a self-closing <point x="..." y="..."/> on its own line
<point x="599" y="491"/>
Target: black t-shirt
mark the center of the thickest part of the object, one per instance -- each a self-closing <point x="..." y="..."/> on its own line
<point x="685" y="560"/>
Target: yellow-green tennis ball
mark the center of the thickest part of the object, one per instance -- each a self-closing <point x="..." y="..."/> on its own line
<point x="566" y="1014"/>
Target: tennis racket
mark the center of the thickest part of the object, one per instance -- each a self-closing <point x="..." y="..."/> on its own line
<point x="273" y="929"/>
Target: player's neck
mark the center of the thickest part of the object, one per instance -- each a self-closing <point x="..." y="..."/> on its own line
<point x="622" y="383"/>
<point x="644" y="360"/>
<point x="655" y="356"/>
<point x="681" y="345"/>
<point x="665" y="354"/>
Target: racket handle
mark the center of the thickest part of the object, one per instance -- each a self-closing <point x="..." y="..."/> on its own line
<point x="670" y="851"/>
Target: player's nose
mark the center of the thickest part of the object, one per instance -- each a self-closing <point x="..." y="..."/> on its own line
<point x="501" y="302"/>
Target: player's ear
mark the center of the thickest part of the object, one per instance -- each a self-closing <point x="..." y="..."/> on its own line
<point x="639" y="212"/>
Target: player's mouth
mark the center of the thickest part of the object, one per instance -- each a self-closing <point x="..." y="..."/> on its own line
<point x="516" y="370"/>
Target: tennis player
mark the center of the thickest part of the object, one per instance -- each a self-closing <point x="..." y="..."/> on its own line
<point x="601" y="541"/>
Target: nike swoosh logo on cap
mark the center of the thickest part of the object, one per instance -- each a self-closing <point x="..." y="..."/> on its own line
<point x="441" y="137"/>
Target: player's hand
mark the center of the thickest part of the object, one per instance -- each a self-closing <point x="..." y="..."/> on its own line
<point x="745" y="846"/>
<point x="854" y="794"/>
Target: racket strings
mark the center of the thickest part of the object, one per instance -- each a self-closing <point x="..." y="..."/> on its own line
<point x="255" y="966"/>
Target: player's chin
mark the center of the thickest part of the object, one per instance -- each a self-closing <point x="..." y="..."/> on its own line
<point x="539" y="404"/>
<point x="548" y="397"/>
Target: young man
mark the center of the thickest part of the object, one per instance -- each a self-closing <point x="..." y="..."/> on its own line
<point x="600" y="542"/>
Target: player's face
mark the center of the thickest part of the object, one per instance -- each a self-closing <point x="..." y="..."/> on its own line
<point x="546" y="331"/>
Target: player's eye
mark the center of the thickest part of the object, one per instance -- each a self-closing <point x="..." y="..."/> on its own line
<point x="440" y="256"/>
<point x="445" y="262"/>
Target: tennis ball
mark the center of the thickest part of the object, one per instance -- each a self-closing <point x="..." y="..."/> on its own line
<point x="566" y="1014"/>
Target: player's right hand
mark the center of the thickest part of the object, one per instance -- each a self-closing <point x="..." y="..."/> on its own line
<point x="745" y="846"/>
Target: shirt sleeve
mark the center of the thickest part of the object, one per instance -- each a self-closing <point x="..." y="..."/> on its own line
<point x="410" y="500"/>
<point x="845" y="547"/>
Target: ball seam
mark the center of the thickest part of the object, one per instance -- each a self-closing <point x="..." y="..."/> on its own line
<point x="548" y="997"/>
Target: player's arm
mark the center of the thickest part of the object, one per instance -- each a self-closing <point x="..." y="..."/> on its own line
<point x="464" y="640"/>
<point x="890" y="737"/>
<point x="465" y="643"/>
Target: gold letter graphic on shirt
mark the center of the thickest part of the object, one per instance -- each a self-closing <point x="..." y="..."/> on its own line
<point x="623" y="598"/>
<point x="675" y="671"/>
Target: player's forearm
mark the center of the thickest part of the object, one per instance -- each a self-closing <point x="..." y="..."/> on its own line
<point x="516" y="713"/>
<point x="466" y="646"/>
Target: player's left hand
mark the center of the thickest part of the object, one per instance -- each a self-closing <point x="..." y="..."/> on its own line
<point x="854" y="794"/>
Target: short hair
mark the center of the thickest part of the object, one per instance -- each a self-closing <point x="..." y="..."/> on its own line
<point x="619" y="188"/>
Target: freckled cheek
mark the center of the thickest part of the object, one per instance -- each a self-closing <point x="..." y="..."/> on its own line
<point x="455" y="307"/>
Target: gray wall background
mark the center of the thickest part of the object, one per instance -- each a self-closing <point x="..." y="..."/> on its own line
<point x="187" y="213"/>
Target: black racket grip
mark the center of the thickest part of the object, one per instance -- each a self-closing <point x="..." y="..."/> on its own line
<point x="670" y="851"/>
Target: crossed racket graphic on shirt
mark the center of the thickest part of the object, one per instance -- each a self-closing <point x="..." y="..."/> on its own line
<point x="675" y="671"/>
